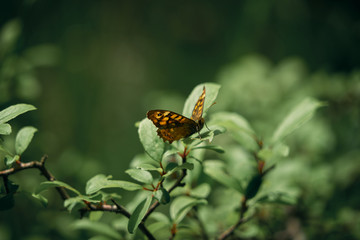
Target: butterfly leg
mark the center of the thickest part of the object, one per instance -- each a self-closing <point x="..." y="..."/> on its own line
<point x="199" y="135"/>
<point x="207" y="126"/>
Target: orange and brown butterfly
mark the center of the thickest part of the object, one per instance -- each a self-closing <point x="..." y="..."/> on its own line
<point x="173" y="126"/>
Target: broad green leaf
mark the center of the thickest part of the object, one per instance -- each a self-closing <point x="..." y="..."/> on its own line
<point x="181" y="206"/>
<point x="187" y="165"/>
<point x="232" y="121"/>
<point x="278" y="151"/>
<point x="5" y="151"/>
<point x="106" y="196"/>
<point x="238" y="127"/>
<point x="74" y="203"/>
<point x="215" y="148"/>
<point x="194" y="140"/>
<point x="23" y="139"/>
<point x="162" y="196"/>
<point x="49" y="184"/>
<point x="278" y="198"/>
<point x="140" y="175"/>
<point x="253" y="186"/>
<point x="148" y="167"/>
<point x="96" y="227"/>
<point x="138" y="214"/>
<point x="101" y="181"/>
<point x="95" y="216"/>
<point x="301" y="113"/>
<point x="14" y="111"/>
<point x="143" y="159"/>
<point x="159" y="227"/>
<point x="159" y="217"/>
<point x="5" y="129"/>
<point x="170" y="166"/>
<point x="215" y="169"/>
<point x="201" y="191"/>
<point x="212" y="90"/>
<point x="154" y="146"/>
<point x="9" y="160"/>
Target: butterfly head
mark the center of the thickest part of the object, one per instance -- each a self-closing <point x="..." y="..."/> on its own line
<point x="200" y="124"/>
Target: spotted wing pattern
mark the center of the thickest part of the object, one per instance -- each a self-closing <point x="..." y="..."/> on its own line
<point x="198" y="108"/>
<point x="172" y="126"/>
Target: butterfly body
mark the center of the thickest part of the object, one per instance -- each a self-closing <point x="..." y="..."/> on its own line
<point x="173" y="126"/>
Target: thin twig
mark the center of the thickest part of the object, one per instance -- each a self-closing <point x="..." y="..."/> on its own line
<point x="230" y="230"/>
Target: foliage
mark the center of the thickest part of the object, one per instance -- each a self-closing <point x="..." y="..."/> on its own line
<point x="182" y="177"/>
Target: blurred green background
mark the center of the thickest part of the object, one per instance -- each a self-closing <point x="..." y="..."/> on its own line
<point x="94" y="68"/>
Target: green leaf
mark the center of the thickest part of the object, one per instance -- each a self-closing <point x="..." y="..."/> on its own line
<point x="95" y="216"/>
<point x="278" y="198"/>
<point x="215" y="169"/>
<point x="215" y="148"/>
<point x="201" y="191"/>
<point x="212" y="90"/>
<point x="238" y="127"/>
<point x="154" y="146"/>
<point x="14" y="111"/>
<point x="187" y="165"/>
<point x="148" y="167"/>
<point x="9" y="160"/>
<point x="23" y="139"/>
<point x="140" y="175"/>
<point x="101" y="181"/>
<point x="5" y="129"/>
<point x="162" y="196"/>
<point x="49" y="184"/>
<point x="96" y="227"/>
<point x="74" y="203"/>
<point x="106" y="196"/>
<point x="5" y="151"/>
<point x="181" y="206"/>
<point x="43" y="200"/>
<point x="278" y="151"/>
<point x="170" y="166"/>
<point x="302" y="113"/>
<point x="138" y="214"/>
<point x="159" y="227"/>
<point x="253" y="186"/>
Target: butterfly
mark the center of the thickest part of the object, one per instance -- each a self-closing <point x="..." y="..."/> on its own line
<point x="173" y="126"/>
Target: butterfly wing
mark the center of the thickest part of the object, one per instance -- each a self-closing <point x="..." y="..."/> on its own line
<point x="198" y="109"/>
<point x="171" y="126"/>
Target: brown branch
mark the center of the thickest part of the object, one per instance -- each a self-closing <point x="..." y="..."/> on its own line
<point x="230" y="230"/>
<point x="20" y="166"/>
<point x="175" y="185"/>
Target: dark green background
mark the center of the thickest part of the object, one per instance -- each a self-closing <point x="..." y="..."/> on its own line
<point x="97" y="67"/>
